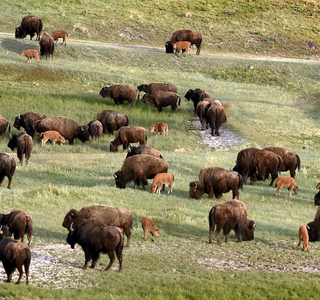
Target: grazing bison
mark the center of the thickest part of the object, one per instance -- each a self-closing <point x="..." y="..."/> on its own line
<point x="216" y="181"/>
<point x="112" y="120"/>
<point x="196" y="96"/>
<point x="128" y="134"/>
<point x="231" y="215"/>
<point x="24" y="143"/>
<point x="95" y="129"/>
<point x="120" y="93"/>
<point x="46" y="45"/>
<point x="29" y="26"/>
<point x="314" y="228"/>
<point x="118" y="217"/>
<point x="60" y="34"/>
<point x="290" y="159"/>
<point x="15" y="254"/>
<point x="202" y="112"/>
<point x="148" y="225"/>
<point x="153" y="88"/>
<point x="216" y="115"/>
<point x="139" y="168"/>
<point x="169" y="47"/>
<point x="143" y="149"/>
<point x="3" y="126"/>
<point x="193" y="37"/>
<point x="95" y="237"/>
<point x="304" y="237"/>
<point x="7" y="168"/>
<point x="162" y="99"/>
<point x="19" y="223"/>
<point x="29" y="121"/>
<point x="67" y="127"/>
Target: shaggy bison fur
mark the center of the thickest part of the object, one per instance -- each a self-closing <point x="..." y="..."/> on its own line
<point x="120" y="93"/>
<point x="46" y="45"/>
<point x="24" y="143"/>
<point x="7" y="168"/>
<point x="193" y="37"/>
<point x="29" y="121"/>
<point x="29" y="26"/>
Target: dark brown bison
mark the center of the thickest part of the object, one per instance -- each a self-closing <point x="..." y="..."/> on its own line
<point x="95" y="238"/>
<point x="202" y="112"/>
<point x="24" y="143"/>
<point x="119" y="217"/>
<point x="162" y="99"/>
<point x="169" y="47"/>
<point x="314" y="228"/>
<point x="215" y="181"/>
<point x="19" y="223"/>
<point x="120" y="93"/>
<point x="196" y="96"/>
<point x="95" y="129"/>
<point x="46" y="45"/>
<point x="14" y="255"/>
<point x="193" y="37"/>
<point x="29" y="26"/>
<point x="7" y="168"/>
<point x="3" y="126"/>
<point x="128" y="134"/>
<point x="216" y="115"/>
<point x="139" y="168"/>
<point x="231" y="215"/>
<point x="29" y="121"/>
<point x="4" y="232"/>
<point x="153" y="88"/>
<point x="317" y="196"/>
<point x="67" y="127"/>
<point x="143" y="149"/>
<point x="290" y="159"/>
<point x="112" y="120"/>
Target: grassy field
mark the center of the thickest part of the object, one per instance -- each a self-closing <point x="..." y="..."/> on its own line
<point x="268" y="102"/>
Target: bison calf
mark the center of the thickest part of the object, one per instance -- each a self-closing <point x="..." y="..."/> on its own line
<point x="30" y="53"/>
<point x="53" y="135"/>
<point x="60" y="34"/>
<point x="159" y="127"/>
<point x="160" y="180"/>
<point x="182" y="45"/>
<point x="287" y="182"/>
<point x="303" y="236"/>
<point x="148" y="225"/>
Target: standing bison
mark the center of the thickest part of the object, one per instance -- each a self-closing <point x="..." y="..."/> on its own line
<point x="46" y="45"/>
<point x="112" y="120"/>
<point x="139" y="168"/>
<point x="162" y="99"/>
<point x="231" y="215"/>
<point x="128" y="134"/>
<point x="215" y="181"/>
<point x="143" y="149"/>
<point x="95" y="129"/>
<point x="3" y="126"/>
<point x="196" y="96"/>
<point x="314" y="228"/>
<point x="120" y="93"/>
<point x="193" y="37"/>
<point x="119" y="217"/>
<point x="201" y="111"/>
<point x="24" y="143"/>
<point x="29" y="26"/>
<point x="7" y="168"/>
<point x="216" y="115"/>
<point x="29" y="121"/>
<point x="68" y="128"/>
<point x="153" y="88"/>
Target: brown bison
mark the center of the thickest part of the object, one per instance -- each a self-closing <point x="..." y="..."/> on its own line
<point x="24" y="143"/>
<point x="317" y="196"/>
<point x="46" y="45"/>
<point x="216" y="181"/>
<point x="67" y="127"/>
<point x="179" y="46"/>
<point x="143" y="149"/>
<point x="153" y="88"/>
<point x="29" y="121"/>
<point x="95" y="237"/>
<point x="193" y="37"/>
<point x="196" y="96"/>
<point x="15" y="254"/>
<point x="4" y="232"/>
<point x="95" y="129"/>
<point x="19" y="223"/>
<point x="148" y="226"/>
<point x="231" y="215"/>
<point x="7" y="168"/>
<point x="159" y="127"/>
<point x="60" y="34"/>
<point x="216" y="115"/>
<point x="112" y="120"/>
<point x="120" y="93"/>
<point x="31" y="53"/>
<point x="29" y="26"/>
<point x="162" y="99"/>
<point x="202" y="112"/>
<point x="128" y="134"/>
<point x="118" y="217"/>
<point x="290" y="159"/>
<point x="139" y="168"/>
<point x="3" y="126"/>
<point x="314" y="228"/>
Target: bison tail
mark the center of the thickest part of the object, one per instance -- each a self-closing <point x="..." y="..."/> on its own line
<point x="179" y="100"/>
<point x="212" y="221"/>
<point x="240" y="182"/>
<point x="298" y="162"/>
<point x="28" y="225"/>
<point x="9" y="127"/>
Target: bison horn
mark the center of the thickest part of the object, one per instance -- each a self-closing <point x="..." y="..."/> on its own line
<point x="308" y="227"/>
<point x="254" y="225"/>
<point x="1" y="232"/>
<point x="71" y="229"/>
<point x="115" y="175"/>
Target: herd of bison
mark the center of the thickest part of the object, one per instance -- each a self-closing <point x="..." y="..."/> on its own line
<point x="101" y="229"/>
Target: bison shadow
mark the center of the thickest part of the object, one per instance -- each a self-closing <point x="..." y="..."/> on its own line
<point x="17" y="45"/>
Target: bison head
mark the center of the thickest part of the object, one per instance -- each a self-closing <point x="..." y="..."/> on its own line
<point x="120" y="183"/>
<point x="113" y="147"/>
<point x="142" y="87"/>
<point x="189" y="94"/>
<point x="106" y="91"/>
<point x="247" y="231"/>
<point x="84" y="134"/>
<point x="18" y="122"/>
<point x="18" y="33"/>
<point x="72" y="236"/>
<point x="195" y="191"/>
<point x="13" y="142"/>
<point x="169" y="47"/>
<point x="70" y="218"/>
<point x="313" y="232"/>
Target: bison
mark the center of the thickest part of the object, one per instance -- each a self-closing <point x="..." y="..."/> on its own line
<point x="314" y="228"/>
<point x="317" y="196"/>
<point x="216" y="115"/>
<point x="95" y="129"/>
<point x="153" y="88"/>
<point x="46" y="45"/>
<point x="7" y="168"/>
<point x="4" y="232"/>
<point x="139" y="168"/>
<point x="119" y="217"/>
<point x="112" y="120"/>
<point x="29" y="26"/>
<point x="231" y="215"/>
<point x="19" y="223"/>
<point x="15" y="254"/>
<point x="148" y="226"/>
<point x="128" y="134"/>
<point x="67" y="127"/>
<point x="196" y="96"/>
<point x="169" y="47"/>
<point x="120" y="93"/>
<point x="95" y="237"/>
<point x="3" y="126"/>
<point x="162" y="99"/>
<point x="202" y="112"/>
<point x="143" y="149"/>
<point x="60" y="34"/>
<point x="24" y="143"/>
<point x="215" y="181"/>
<point x="29" y="121"/>
<point x="193" y="37"/>
<point x="290" y="159"/>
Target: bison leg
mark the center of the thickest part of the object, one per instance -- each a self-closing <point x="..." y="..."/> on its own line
<point x="145" y="234"/>
<point x="95" y="257"/>
<point x="112" y="259"/>
<point x="218" y="233"/>
<point x="235" y="194"/>
<point x="151" y="236"/>
<point x="20" y="274"/>
<point x="273" y="178"/>
<point x="9" y="183"/>
<point x="278" y="191"/>
<point x="119" y="256"/>
<point x="87" y="255"/>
